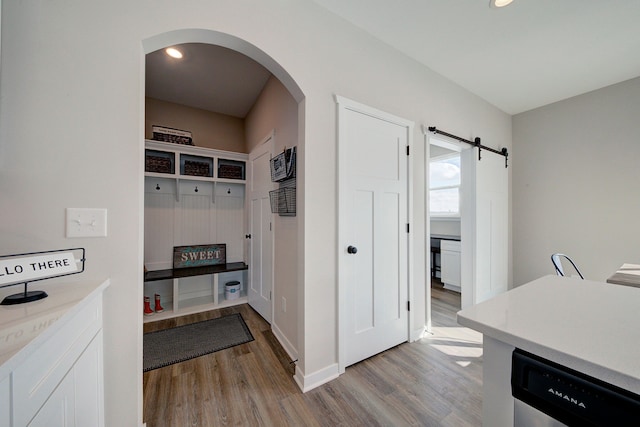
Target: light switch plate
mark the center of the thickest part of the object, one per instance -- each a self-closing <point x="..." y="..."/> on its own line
<point x="85" y="222"/>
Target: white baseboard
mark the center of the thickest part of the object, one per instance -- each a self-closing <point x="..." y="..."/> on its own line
<point x="453" y="288"/>
<point x="284" y="342"/>
<point x="417" y="334"/>
<point x="305" y="382"/>
<point x="323" y="376"/>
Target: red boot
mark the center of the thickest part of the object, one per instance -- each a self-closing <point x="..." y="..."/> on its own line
<point x="159" y="308"/>
<point x="147" y="307"/>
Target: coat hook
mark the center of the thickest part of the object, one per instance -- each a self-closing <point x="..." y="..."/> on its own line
<point x="157" y="186"/>
<point x="228" y="191"/>
<point x="196" y="190"/>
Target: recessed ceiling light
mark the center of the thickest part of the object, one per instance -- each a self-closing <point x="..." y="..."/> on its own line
<point x="500" y="3"/>
<point x="173" y="52"/>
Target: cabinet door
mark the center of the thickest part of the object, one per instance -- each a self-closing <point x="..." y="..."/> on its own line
<point x="78" y="399"/>
<point x="5" y="401"/>
<point x="58" y="409"/>
<point x="450" y="268"/>
<point x="88" y="384"/>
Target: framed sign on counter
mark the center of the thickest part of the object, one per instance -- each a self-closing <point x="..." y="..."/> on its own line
<point x="30" y="267"/>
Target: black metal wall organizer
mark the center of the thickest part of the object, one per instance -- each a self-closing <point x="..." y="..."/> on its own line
<point x="283" y="171"/>
<point x="476" y="143"/>
<point x="283" y="165"/>
<point x="283" y="201"/>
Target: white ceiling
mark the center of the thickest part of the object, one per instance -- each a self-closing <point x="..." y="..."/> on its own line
<point x="529" y="54"/>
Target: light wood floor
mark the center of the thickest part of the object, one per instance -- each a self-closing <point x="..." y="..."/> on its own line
<point x="435" y="381"/>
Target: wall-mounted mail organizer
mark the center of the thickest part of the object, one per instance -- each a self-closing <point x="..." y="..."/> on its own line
<point x="31" y="267"/>
<point x="283" y="171"/>
<point x="283" y="165"/>
<point x="283" y="201"/>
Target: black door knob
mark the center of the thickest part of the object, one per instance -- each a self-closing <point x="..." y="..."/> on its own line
<point x="352" y="250"/>
<point x="247" y="236"/>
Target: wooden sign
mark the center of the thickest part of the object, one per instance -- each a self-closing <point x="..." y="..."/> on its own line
<point x="175" y="136"/>
<point x="199" y="255"/>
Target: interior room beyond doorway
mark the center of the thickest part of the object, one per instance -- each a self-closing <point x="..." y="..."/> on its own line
<point x="445" y="180"/>
<point x="228" y="101"/>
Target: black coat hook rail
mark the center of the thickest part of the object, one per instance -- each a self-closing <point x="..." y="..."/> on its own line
<point x="476" y="143"/>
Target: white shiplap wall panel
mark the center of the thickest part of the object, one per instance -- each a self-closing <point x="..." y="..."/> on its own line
<point x="195" y="219"/>
<point x="230" y="226"/>
<point x="158" y="229"/>
<point x="192" y="218"/>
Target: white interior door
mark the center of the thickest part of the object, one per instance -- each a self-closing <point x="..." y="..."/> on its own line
<point x="374" y="239"/>
<point x="260" y="229"/>
<point x="485" y="257"/>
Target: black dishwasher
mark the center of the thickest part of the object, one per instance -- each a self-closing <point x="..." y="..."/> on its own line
<point x="565" y="395"/>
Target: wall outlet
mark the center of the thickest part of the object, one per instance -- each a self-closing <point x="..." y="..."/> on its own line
<point x="284" y="304"/>
<point x="84" y="222"/>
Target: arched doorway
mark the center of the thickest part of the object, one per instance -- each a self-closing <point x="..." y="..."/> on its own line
<point x="290" y="339"/>
<point x="171" y="38"/>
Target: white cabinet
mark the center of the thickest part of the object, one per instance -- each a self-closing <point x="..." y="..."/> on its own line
<point x="55" y="378"/>
<point x="450" y="264"/>
<point x="58" y="409"/>
<point x="76" y="401"/>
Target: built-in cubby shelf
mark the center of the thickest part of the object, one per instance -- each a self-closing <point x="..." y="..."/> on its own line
<point x="193" y="196"/>
<point x="166" y="160"/>
<point x="180" y="306"/>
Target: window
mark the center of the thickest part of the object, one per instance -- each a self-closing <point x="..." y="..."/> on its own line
<point x="444" y="186"/>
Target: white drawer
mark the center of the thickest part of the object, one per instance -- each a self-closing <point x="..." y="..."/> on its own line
<point x="450" y="245"/>
<point x="41" y="372"/>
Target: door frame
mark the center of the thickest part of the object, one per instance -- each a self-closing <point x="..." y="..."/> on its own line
<point x="269" y="139"/>
<point x="345" y="104"/>
<point x="472" y="176"/>
<point x="467" y="213"/>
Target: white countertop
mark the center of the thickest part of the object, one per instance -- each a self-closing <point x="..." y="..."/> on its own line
<point x="592" y="327"/>
<point x="25" y="324"/>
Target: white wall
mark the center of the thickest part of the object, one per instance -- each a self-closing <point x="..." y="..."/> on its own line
<point x="72" y="125"/>
<point x="576" y="182"/>
<point x="209" y="129"/>
<point x="276" y="110"/>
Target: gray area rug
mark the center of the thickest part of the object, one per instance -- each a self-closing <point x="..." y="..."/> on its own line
<point x="169" y="346"/>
